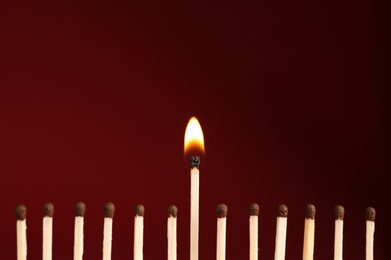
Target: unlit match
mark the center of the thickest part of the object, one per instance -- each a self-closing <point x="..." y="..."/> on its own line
<point x="309" y="232"/>
<point x="80" y="210"/>
<point x="281" y="227"/>
<point x="222" y="210"/>
<point x="47" y="230"/>
<point x="172" y="212"/>
<point x="108" y="213"/>
<point x="253" y="211"/>
<point x="339" y="213"/>
<point x="370" y="215"/>
<point x="138" y="232"/>
<point x="21" y="239"/>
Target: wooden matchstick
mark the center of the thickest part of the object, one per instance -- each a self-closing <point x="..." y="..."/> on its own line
<point x="194" y="206"/>
<point x="171" y="232"/>
<point x="339" y="213"/>
<point x="309" y="232"/>
<point x="21" y="239"/>
<point x="222" y="210"/>
<point x="282" y="222"/>
<point x="80" y="210"/>
<point x="108" y="212"/>
<point x="138" y="232"/>
<point x="253" y="211"/>
<point x="370" y="215"/>
<point x="47" y="230"/>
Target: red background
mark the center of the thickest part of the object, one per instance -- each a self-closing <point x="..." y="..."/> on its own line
<point x="95" y="98"/>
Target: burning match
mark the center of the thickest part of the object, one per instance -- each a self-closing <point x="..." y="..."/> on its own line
<point x="370" y="215"/>
<point x="172" y="212"/>
<point x="222" y="211"/>
<point x="47" y="230"/>
<point x="282" y="222"/>
<point x="253" y="211"/>
<point x="21" y="239"/>
<point x="108" y="212"/>
<point x="194" y="143"/>
<point x="309" y="232"/>
<point x="80" y="210"/>
<point x="339" y="213"/>
<point x="138" y="232"/>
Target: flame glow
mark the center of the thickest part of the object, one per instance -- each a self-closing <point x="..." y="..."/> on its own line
<point x="194" y="138"/>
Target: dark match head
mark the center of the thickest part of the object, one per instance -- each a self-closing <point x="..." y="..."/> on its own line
<point x="172" y="211"/>
<point x="194" y="162"/>
<point x="20" y="212"/>
<point x="80" y="209"/>
<point x="222" y="211"/>
<point x="253" y="209"/>
<point x="339" y="212"/>
<point x="139" y="210"/>
<point x="370" y="214"/>
<point x="108" y="210"/>
<point x="48" y="209"/>
<point x="282" y="211"/>
<point x="310" y="211"/>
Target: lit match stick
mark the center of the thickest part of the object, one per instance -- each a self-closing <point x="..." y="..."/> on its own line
<point x="108" y="212"/>
<point x="171" y="232"/>
<point x="80" y="210"/>
<point x="370" y="215"/>
<point x="309" y="232"/>
<point x="222" y="210"/>
<point x="194" y="143"/>
<point x="282" y="222"/>
<point x="339" y="213"/>
<point x="21" y="239"/>
<point x="253" y="211"/>
<point x="47" y="230"/>
<point x="138" y="232"/>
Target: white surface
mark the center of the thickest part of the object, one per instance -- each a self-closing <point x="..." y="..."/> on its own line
<point x="338" y="239"/>
<point x="78" y="240"/>
<point x="171" y="238"/>
<point x="253" y="237"/>
<point x="138" y="238"/>
<point x="309" y="236"/>
<point x="194" y="212"/>
<point x="370" y="239"/>
<point x="107" y="237"/>
<point x="279" y="253"/>
<point x="221" y="236"/>
<point x="47" y="238"/>
<point x="21" y="239"/>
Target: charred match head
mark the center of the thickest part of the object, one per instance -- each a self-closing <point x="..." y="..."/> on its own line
<point x="48" y="209"/>
<point x="339" y="212"/>
<point x="253" y="209"/>
<point x="222" y="211"/>
<point x="194" y="162"/>
<point x="20" y="212"/>
<point x="172" y="211"/>
<point x="80" y="209"/>
<point x="139" y="210"/>
<point x="370" y="214"/>
<point x="282" y="211"/>
<point x="310" y="211"/>
<point x="108" y="210"/>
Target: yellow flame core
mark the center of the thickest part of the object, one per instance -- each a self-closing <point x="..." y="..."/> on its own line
<point x="194" y="138"/>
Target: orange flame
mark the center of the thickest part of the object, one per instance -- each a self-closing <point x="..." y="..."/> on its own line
<point x="194" y="138"/>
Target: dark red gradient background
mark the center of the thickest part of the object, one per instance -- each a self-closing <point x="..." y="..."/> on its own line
<point x="95" y="98"/>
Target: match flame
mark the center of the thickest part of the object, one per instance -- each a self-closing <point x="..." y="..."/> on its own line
<point x="194" y="138"/>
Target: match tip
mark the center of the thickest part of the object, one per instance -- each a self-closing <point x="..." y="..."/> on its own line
<point x="310" y="211"/>
<point x="194" y="162"/>
<point x="48" y="209"/>
<point x="282" y="211"/>
<point x="80" y="209"/>
<point x="108" y="210"/>
<point x="339" y="212"/>
<point x="172" y="211"/>
<point x="370" y="214"/>
<point x="20" y="212"/>
<point x="253" y="209"/>
<point x="139" y="210"/>
<point x="222" y="211"/>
